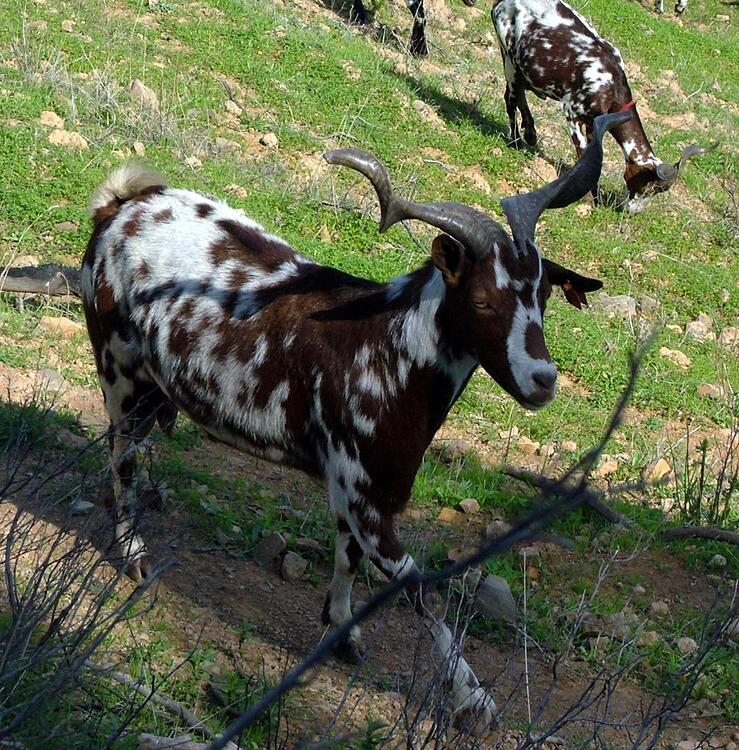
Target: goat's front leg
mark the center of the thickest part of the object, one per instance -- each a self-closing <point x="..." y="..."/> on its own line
<point x="512" y="109"/>
<point x="527" y="119"/>
<point x="471" y="705"/>
<point x="581" y="132"/>
<point x="419" y="47"/>
<point x="337" y="608"/>
<point x="358" y="13"/>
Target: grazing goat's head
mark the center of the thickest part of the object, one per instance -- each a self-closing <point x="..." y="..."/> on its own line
<point x="497" y="286"/>
<point x="643" y="181"/>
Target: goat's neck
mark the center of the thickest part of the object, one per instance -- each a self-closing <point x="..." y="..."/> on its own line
<point x="634" y="143"/>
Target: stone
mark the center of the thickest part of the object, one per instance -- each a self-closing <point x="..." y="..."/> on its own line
<point x="51" y="380"/>
<point x="687" y="745"/>
<point x="527" y="446"/>
<point x="68" y="25"/>
<point x="66" y="226"/>
<point x="606" y="468"/>
<point x="454" y="449"/>
<point x="732" y="629"/>
<point x="649" y="638"/>
<point x="717" y="562"/>
<point x="142" y="94"/>
<point x="293" y="567"/>
<point x="686" y="645"/>
<point x="568" y="445"/>
<point x="51" y="119"/>
<point x="194" y="163"/>
<point x="233" y="108"/>
<point x="68" y="438"/>
<point x="226" y="145"/>
<point x="68" y="139"/>
<point x="583" y="209"/>
<point x="660" y="609"/>
<point x="546" y="450"/>
<point x="497" y="529"/>
<point x="676" y="356"/>
<point x="269" y="140"/>
<point x="648" y="304"/>
<point x="469" y="505"/>
<point x="222" y="537"/>
<point x="618" y="306"/>
<point x="138" y="148"/>
<point x="81" y="507"/>
<point x="238" y="190"/>
<point x="448" y="515"/>
<point x="270" y="547"/>
<point x="729" y="336"/>
<point x="710" y="390"/>
<point x="700" y="330"/>
<point x="309" y="547"/>
<point x="495" y="600"/>
<point x="638" y="589"/>
<point x="657" y="471"/>
<point x="61" y="326"/>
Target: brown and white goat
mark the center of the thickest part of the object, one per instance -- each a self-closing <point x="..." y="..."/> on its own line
<point x="550" y="49"/>
<point x="191" y="305"/>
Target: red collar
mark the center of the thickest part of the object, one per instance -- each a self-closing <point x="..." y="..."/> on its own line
<point x="627" y="106"/>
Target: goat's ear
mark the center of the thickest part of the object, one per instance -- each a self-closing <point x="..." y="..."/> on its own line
<point x="450" y="257"/>
<point x="573" y="284"/>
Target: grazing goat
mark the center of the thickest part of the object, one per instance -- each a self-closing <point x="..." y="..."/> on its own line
<point x="191" y="305"/>
<point x="418" y="45"/>
<point x="550" y="49"/>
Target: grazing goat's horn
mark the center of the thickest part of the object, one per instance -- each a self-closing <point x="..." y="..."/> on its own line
<point x="474" y="229"/>
<point x="670" y="172"/>
<point x="523" y="211"/>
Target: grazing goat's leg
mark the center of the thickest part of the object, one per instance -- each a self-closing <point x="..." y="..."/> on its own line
<point x="511" y="109"/>
<point x="419" y="47"/>
<point x="358" y="13"/>
<point x="337" y="607"/>
<point x="527" y="119"/>
<point x="581" y="132"/>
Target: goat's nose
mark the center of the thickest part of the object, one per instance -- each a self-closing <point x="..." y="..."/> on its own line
<point x="545" y="378"/>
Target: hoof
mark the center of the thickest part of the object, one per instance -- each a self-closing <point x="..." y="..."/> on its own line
<point x="419" y="47"/>
<point x="518" y="143"/>
<point x="350" y="652"/>
<point x="138" y="570"/>
<point x="531" y="139"/>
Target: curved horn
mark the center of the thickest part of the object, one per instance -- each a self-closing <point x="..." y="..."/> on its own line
<point x="474" y="229"/>
<point x="690" y="152"/>
<point x="523" y="211"/>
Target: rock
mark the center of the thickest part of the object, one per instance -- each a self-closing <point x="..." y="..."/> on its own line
<point x="607" y="467"/>
<point x="527" y="446"/>
<point x="269" y="140"/>
<point x="454" y="449"/>
<point x="657" y="470"/>
<point x="142" y="94"/>
<point x="649" y="638"/>
<point x="37" y="26"/>
<point x="68" y="25"/>
<point x="546" y="450"/>
<point x="233" y="108"/>
<point x="675" y="355"/>
<point x="293" y="567"/>
<point x="710" y="390"/>
<point x="455" y="554"/>
<point x="138" y="148"/>
<point x="618" y="306"/>
<point x="309" y="547"/>
<point x="66" y="226"/>
<point x="660" y="609"/>
<point x="227" y="146"/>
<point x="509" y="434"/>
<point x="448" y="515"/>
<point x="64" y="327"/>
<point x="729" y="336"/>
<point x="686" y="645"/>
<point x="81" y="507"/>
<point x="51" y="380"/>
<point x="51" y="119"/>
<point x="583" y="209"/>
<point x="568" y="445"/>
<point x="497" y="529"/>
<point x="222" y="537"/>
<point x="732" y="629"/>
<point x="495" y="600"/>
<point x="533" y="573"/>
<point x="717" y="562"/>
<point x="687" y="745"/>
<point x="194" y="163"/>
<point x="638" y="589"/>
<point x="237" y="190"/>
<point x="469" y="505"/>
<point x="700" y="330"/>
<point x="270" y="547"/>
<point x="67" y="437"/>
<point x="648" y="304"/>
<point x="68" y="139"/>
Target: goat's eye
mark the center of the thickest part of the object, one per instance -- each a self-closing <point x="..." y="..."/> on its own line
<point x="481" y="304"/>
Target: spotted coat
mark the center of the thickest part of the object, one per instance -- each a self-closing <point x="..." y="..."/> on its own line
<point x="192" y="306"/>
<point x="550" y="49"/>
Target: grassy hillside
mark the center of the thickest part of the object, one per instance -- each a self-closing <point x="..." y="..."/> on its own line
<point x="242" y="98"/>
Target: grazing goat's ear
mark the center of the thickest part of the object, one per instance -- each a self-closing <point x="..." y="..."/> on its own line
<point x="573" y="284"/>
<point x="449" y="256"/>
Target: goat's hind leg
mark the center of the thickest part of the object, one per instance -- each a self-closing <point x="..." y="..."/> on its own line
<point x="133" y="407"/>
<point x="419" y="46"/>
<point x="358" y="13"/>
<point x="527" y="119"/>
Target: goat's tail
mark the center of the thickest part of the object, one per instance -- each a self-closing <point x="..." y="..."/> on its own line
<point x="121" y="185"/>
